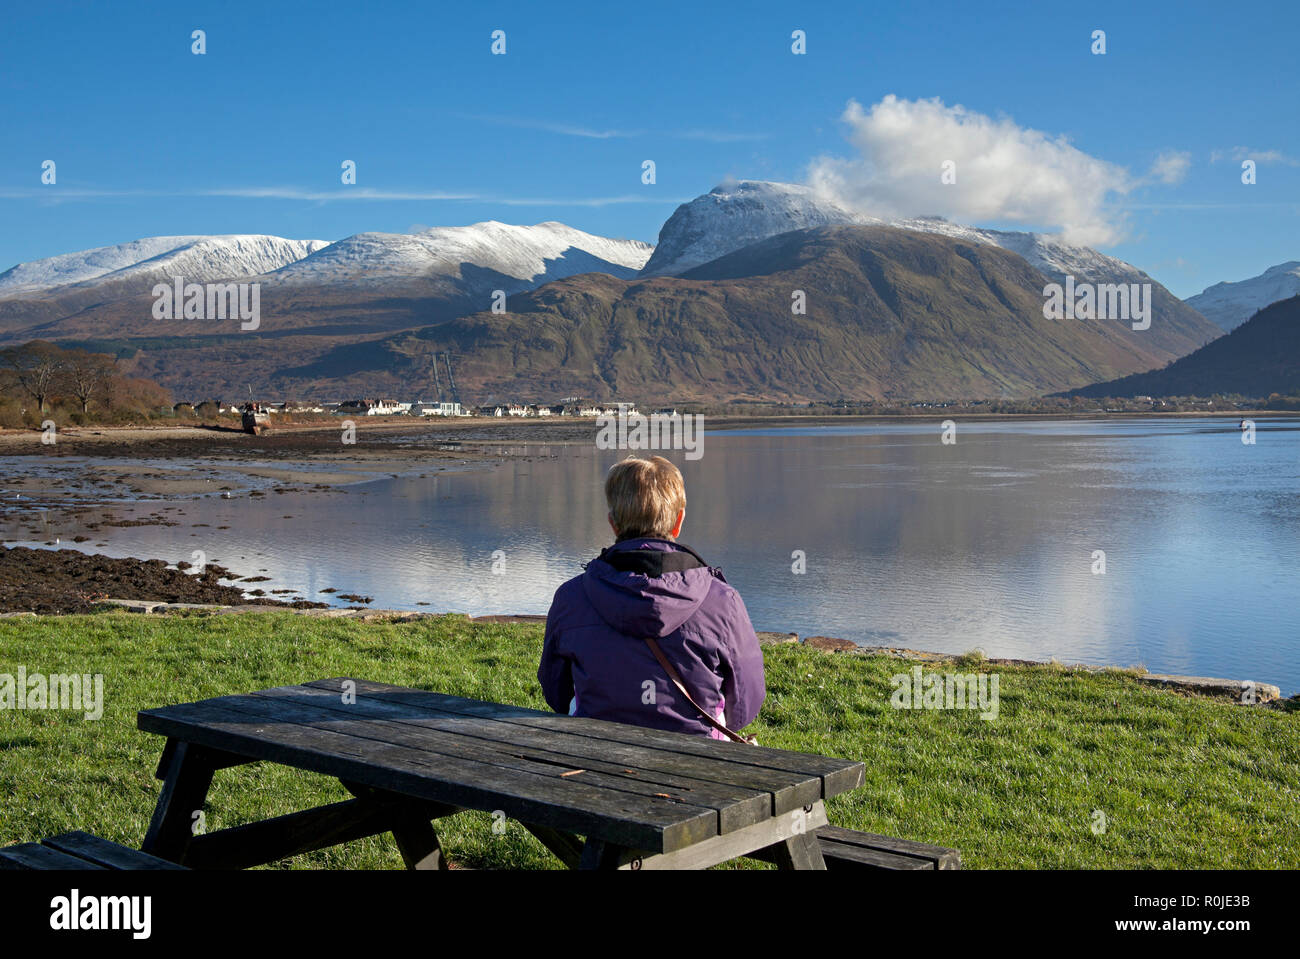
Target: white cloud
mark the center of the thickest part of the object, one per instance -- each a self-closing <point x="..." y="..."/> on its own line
<point x="1171" y="166"/>
<point x="1004" y="172"/>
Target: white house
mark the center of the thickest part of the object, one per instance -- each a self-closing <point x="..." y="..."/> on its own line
<point x="436" y="409"/>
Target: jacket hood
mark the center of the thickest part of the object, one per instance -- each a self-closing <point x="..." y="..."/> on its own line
<point x="648" y="603"/>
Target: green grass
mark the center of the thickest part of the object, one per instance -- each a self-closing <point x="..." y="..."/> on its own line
<point x="1183" y="782"/>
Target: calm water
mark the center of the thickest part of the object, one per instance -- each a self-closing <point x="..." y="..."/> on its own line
<point x="987" y="543"/>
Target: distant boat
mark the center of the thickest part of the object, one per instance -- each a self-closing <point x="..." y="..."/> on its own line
<point x="255" y="418"/>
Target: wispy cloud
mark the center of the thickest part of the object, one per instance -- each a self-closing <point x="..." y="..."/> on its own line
<point x="587" y="201"/>
<point x="1171" y="166"/>
<point x="345" y="193"/>
<point x="564" y="129"/>
<point x="1261" y="157"/>
<point x="1279" y="205"/>
<point x="573" y="130"/>
<point x="348" y="194"/>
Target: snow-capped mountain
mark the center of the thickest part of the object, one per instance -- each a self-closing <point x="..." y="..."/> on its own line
<point x="734" y="215"/>
<point x="737" y="215"/>
<point x="1228" y="305"/>
<point x="197" y="258"/>
<point x="530" y="255"/>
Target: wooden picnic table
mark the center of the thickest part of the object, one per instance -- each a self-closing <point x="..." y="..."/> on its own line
<point x="639" y="798"/>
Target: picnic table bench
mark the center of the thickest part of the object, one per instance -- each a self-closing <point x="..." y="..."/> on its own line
<point x="78" y="850"/>
<point x="638" y="798"/>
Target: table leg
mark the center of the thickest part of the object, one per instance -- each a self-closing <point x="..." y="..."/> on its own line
<point x="416" y="838"/>
<point x="418" y="843"/>
<point x="801" y="851"/>
<point x="566" y="846"/>
<point x="186" y="780"/>
<point x="598" y="854"/>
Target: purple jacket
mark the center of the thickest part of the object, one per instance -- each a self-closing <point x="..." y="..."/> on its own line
<point x="595" y="653"/>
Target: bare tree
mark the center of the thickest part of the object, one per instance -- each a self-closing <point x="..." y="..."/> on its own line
<point x="37" y="366"/>
<point x="88" y="374"/>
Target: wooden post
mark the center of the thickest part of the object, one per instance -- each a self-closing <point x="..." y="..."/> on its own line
<point x="185" y="788"/>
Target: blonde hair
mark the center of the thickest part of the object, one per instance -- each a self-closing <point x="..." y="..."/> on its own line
<point x="644" y="496"/>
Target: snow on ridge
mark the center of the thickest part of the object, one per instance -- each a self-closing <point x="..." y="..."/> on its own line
<point x="197" y="258"/>
<point x="1229" y="304"/>
<point x="736" y="214"/>
<point x="529" y="254"/>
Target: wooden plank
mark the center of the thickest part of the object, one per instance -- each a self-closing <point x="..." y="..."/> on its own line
<point x="752" y="841"/>
<point x="825" y="766"/>
<point x="31" y="855"/>
<point x="937" y="857"/>
<point x="271" y="840"/>
<point x="840" y="856"/>
<point x="735" y="763"/>
<point x="101" y="852"/>
<point x="567" y="804"/>
<point x="318" y="715"/>
<point x="521" y="747"/>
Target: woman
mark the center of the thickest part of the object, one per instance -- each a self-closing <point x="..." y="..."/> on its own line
<point x="596" y="660"/>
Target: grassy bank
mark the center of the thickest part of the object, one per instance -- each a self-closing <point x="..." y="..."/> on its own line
<point x="1182" y="782"/>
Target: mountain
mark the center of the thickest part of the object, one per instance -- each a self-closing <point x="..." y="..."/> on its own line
<point x="367" y="283"/>
<point x="1260" y="357"/>
<point x="523" y="256"/>
<point x="922" y="308"/>
<point x="734" y="215"/>
<point x="1228" y="305"/>
<point x="890" y="313"/>
<point x="201" y="258"/>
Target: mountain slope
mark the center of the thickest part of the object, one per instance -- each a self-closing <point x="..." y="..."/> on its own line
<point x="1228" y="305"/>
<point x="890" y="313"/>
<point x="733" y="216"/>
<point x="1258" y="358"/>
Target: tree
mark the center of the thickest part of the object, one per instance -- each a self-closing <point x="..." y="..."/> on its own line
<point x="136" y="394"/>
<point x="87" y="374"/>
<point x="37" y="366"/>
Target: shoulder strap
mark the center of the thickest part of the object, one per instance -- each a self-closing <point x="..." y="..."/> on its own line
<point x="681" y="688"/>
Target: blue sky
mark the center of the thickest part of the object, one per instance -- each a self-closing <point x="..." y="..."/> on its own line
<point x="150" y="139"/>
